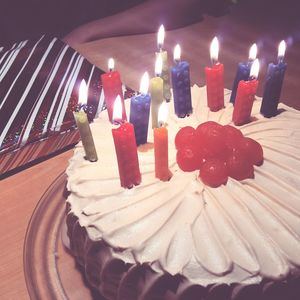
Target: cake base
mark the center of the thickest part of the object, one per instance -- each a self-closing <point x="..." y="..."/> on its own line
<point x="116" y="280"/>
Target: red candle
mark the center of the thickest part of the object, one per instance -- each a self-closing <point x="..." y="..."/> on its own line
<point x="215" y="79"/>
<point x="162" y="171"/>
<point x="126" y="150"/>
<point x="245" y="97"/>
<point x="112" y="87"/>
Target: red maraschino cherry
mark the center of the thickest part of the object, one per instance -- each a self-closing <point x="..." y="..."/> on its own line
<point x="186" y="136"/>
<point x="214" y="172"/>
<point x="218" y="152"/>
<point x="253" y="150"/>
<point x="238" y="166"/>
<point x="189" y="158"/>
<point x="210" y="136"/>
<point x="232" y="136"/>
<point x="204" y="127"/>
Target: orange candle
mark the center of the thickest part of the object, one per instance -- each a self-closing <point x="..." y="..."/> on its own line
<point x="162" y="171"/>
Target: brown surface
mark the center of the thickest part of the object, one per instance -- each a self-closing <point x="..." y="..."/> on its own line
<point x="18" y="198"/>
<point x="20" y="193"/>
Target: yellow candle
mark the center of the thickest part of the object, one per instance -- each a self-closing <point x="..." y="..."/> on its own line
<point x="156" y="92"/>
<point x="86" y="135"/>
<point x="84" y="127"/>
<point x="165" y="74"/>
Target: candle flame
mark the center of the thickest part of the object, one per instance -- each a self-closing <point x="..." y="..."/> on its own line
<point x="158" y="65"/>
<point x="254" y="69"/>
<point x="253" y="52"/>
<point x="144" y="86"/>
<point x="161" y="36"/>
<point x="177" y="53"/>
<point x="117" y="112"/>
<point x="214" y="50"/>
<point x="163" y="113"/>
<point x="83" y="91"/>
<point x="281" y="49"/>
<point x="111" y="64"/>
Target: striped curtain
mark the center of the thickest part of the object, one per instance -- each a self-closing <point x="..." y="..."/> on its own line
<point x="39" y="84"/>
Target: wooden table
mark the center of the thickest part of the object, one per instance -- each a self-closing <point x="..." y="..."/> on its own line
<point x="18" y="198"/>
<point x="20" y="193"/>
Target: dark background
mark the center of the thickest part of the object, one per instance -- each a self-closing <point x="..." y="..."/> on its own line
<point x="23" y="19"/>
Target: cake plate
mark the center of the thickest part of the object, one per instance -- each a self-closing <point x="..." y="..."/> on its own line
<point x="50" y="271"/>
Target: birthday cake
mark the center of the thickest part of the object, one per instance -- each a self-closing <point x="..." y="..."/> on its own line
<point x="182" y="239"/>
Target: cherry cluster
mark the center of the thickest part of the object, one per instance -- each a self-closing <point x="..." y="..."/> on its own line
<point x="218" y="152"/>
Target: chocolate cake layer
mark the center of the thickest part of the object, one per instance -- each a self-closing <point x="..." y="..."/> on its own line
<point x="116" y="280"/>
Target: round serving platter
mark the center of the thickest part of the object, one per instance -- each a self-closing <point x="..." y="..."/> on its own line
<point x="50" y="271"/>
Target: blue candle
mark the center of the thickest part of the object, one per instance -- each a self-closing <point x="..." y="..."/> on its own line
<point x="180" y="73"/>
<point x="243" y="72"/>
<point x="273" y="84"/>
<point x="139" y="111"/>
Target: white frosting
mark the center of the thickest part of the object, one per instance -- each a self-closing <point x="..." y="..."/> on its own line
<point x="240" y="232"/>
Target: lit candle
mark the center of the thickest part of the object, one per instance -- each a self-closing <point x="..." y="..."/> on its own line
<point x="245" y="96"/>
<point x="215" y="79"/>
<point x="139" y="111"/>
<point x="165" y="66"/>
<point x="180" y="73"/>
<point x="112" y="87"/>
<point x="162" y="170"/>
<point x="273" y="85"/>
<point x="83" y="125"/>
<point x="125" y="146"/>
<point x="156" y="91"/>
<point x="243" y="71"/>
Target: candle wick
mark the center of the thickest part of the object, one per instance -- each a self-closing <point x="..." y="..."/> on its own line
<point x="118" y="122"/>
<point x="280" y="59"/>
<point x="214" y="61"/>
<point x="82" y="107"/>
<point x="161" y="124"/>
